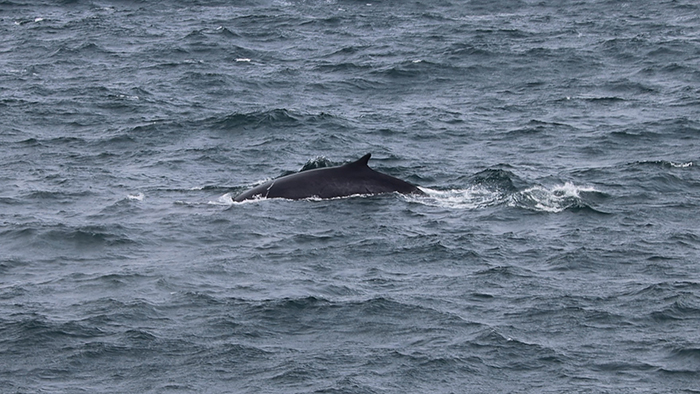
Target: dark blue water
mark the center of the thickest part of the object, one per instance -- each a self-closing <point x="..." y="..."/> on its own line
<point x="557" y="249"/>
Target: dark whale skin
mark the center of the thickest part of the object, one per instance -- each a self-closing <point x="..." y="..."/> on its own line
<point x="346" y="180"/>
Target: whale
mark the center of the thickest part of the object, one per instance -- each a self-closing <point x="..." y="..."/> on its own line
<point x="355" y="178"/>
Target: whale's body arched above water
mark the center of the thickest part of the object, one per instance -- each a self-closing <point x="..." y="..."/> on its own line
<point x="346" y="180"/>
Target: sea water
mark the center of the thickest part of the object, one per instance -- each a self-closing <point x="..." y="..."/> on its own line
<point x="557" y="248"/>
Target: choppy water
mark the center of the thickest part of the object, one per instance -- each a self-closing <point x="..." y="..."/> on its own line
<point x="557" y="250"/>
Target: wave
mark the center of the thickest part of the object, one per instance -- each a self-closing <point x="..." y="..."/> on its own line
<point x="664" y="176"/>
<point x="67" y="240"/>
<point x="279" y="117"/>
<point x="553" y="199"/>
<point x="77" y="54"/>
<point x="318" y="162"/>
<point x="685" y="358"/>
<point x="474" y="197"/>
<point x="224" y="200"/>
<point x="683" y="308"/>
<point x="666" y="163"/>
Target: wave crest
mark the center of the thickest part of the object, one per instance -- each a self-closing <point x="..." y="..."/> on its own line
<point x="554" y="199"/>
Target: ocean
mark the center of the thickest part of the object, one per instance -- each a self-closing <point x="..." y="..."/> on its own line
<point x="557" y="248"/>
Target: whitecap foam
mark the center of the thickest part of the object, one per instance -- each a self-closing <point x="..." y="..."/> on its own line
<point x="226" y="200"/>
<point x="136" y="196"/>
<point x="474" y="197"/>
<point x="682" y="165"/>
<point x="555" y="199"/>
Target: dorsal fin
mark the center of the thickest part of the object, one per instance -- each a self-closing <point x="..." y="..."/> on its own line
<point x="362" y="162"/>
